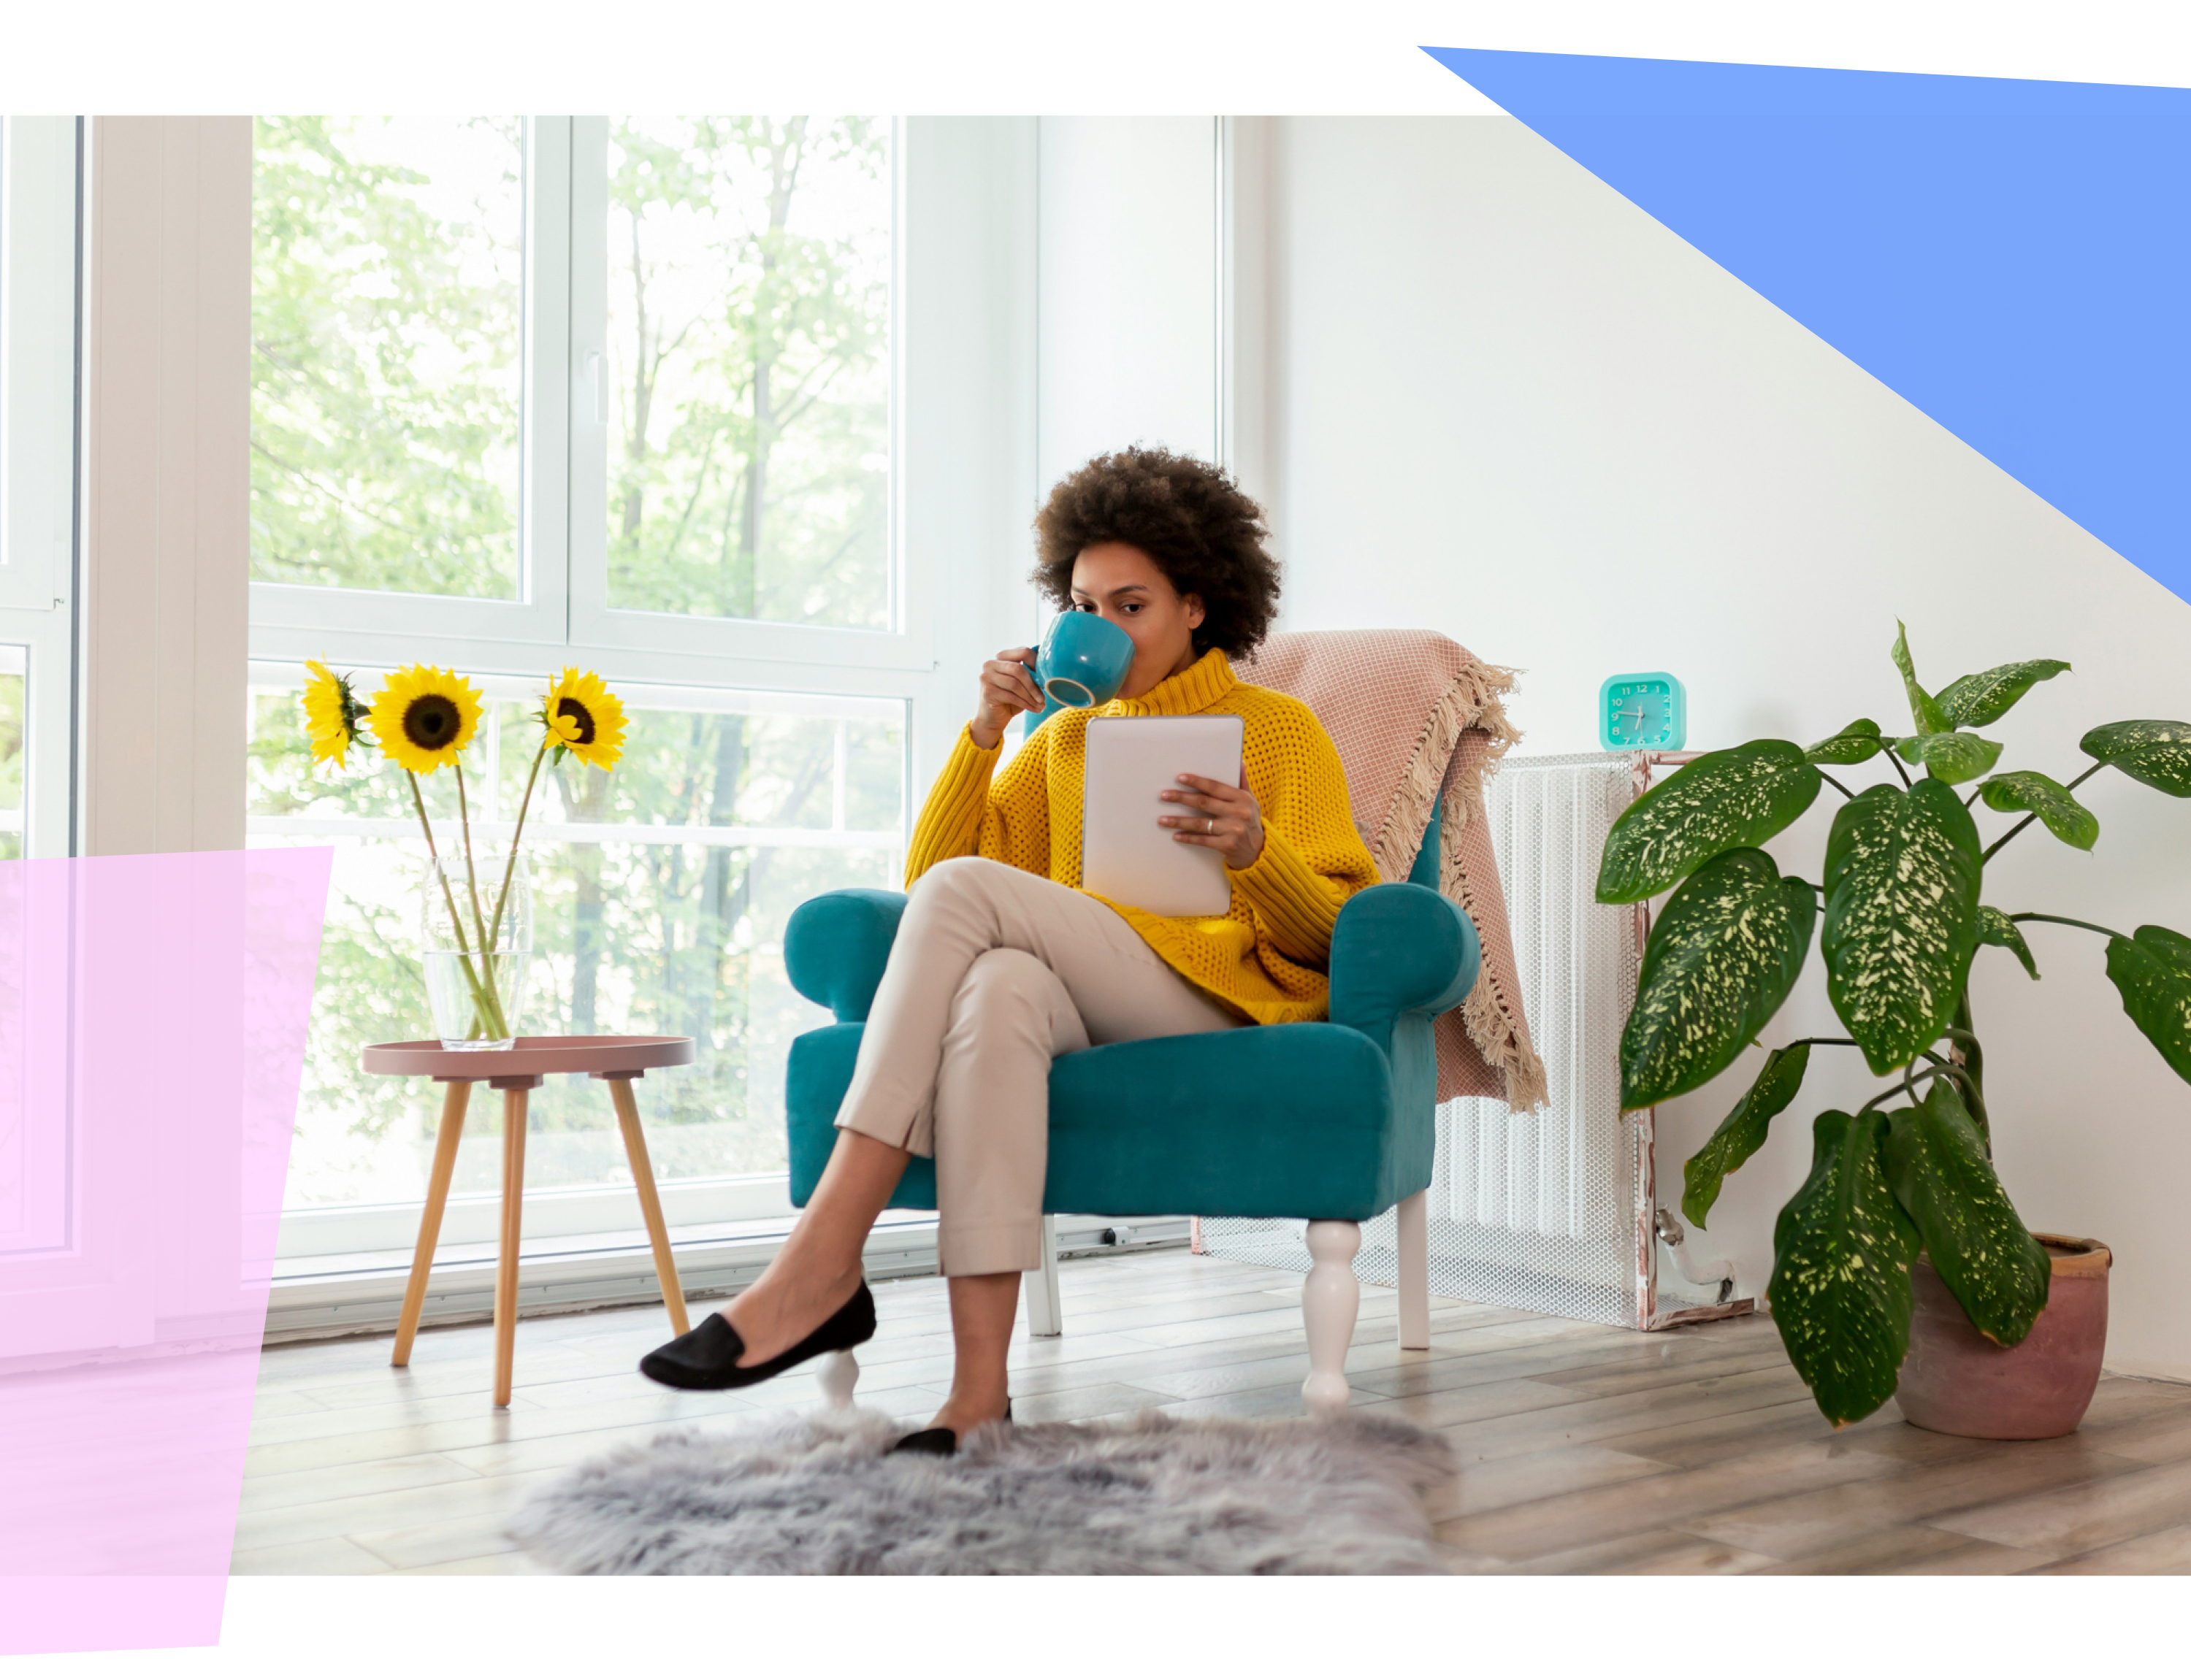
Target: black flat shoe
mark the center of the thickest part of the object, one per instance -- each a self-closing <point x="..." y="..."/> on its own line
<point x="938" y="1443"/>
<point x="707" y="1355"/>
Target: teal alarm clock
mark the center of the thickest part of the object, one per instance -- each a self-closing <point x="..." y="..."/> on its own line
<point x="1642" y="712"/>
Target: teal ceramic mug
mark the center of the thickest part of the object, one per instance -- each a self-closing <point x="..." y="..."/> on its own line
<point x="1083" y="661"/>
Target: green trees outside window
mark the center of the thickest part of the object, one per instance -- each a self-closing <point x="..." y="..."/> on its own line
<point x="749" y="268"/>
<point x="387" y="317"/>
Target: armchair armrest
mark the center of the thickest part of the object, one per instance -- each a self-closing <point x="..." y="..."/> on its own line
<point x="1399" y="949"/>
<point x="835" y="946"/>
<point x="1396" y="949"/>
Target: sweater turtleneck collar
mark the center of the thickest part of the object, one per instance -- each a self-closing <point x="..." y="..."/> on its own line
<point x="1197" y="689"/>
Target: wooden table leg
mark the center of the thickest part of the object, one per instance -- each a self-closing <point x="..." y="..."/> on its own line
<point x="453" y="1103"/>
<point x="650" y="1203"/>
<point x="514" y="1097"/>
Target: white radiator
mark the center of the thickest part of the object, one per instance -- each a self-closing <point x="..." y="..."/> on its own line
<point x="1540" y="1209"/>
<point x="1552" y="1211"/>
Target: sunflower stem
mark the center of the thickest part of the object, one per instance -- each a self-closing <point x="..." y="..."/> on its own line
<point x="482" y="1001"/>
<point x="492" y="999"/>
<point x="510" y="865"/>
<point x="418" y="803"/>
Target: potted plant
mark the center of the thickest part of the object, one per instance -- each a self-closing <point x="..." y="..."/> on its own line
<point x="1901" y="1215"/>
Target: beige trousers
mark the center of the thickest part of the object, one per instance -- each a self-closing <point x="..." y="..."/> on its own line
<point x="995" y="972"/>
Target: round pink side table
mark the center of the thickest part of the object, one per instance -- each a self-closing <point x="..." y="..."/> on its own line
<point x="516" y="1072"/>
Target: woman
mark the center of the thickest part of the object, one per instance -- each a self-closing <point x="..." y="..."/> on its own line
<point x="1002" y="962"/>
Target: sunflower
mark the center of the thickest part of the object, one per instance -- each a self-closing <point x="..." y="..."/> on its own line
<point x="423" y="717"/>
<point x="584" y="719"/>
<point x="332" y="711"/>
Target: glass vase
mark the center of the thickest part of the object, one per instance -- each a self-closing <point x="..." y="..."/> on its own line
<point x="477" y="946"/>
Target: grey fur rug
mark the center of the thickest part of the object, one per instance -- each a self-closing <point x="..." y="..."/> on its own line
<point x="1153" y="1495"/>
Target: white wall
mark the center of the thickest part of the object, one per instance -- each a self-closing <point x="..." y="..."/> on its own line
<point x="1507" y="405"/>
<point x="1127" y="265"/>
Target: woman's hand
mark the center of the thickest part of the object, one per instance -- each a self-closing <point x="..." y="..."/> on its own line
<point x="1007" y="689"/>
<point x="1228" y="819"/>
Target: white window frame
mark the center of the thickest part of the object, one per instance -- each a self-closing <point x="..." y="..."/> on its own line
<point x="962" y="483"/>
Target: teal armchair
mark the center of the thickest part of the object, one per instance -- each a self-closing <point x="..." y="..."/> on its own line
<point x="1329" y="1121"/>
<point x="1326" y="1122"/>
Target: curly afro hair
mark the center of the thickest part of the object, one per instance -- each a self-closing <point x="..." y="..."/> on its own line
<point x="1205" y="537"/>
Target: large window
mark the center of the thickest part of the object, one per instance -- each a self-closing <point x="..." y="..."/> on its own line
<point x="614" y="392"/>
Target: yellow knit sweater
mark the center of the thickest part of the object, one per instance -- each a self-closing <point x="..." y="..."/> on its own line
<point x="1265" y="956"/>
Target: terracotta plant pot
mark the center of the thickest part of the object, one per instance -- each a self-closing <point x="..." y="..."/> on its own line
<point x="1958" y="1383"/>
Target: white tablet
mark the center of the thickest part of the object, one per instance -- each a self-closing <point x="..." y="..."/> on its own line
<point x="1124" y="855"/>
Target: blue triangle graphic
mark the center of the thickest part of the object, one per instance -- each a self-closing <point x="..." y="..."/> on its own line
<point x="2013" y="257"/>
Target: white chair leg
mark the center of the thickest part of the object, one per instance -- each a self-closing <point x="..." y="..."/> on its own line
<point x="1046" y="1317"/>
<point x="1413" y="1217"/>
<point x="1329" y="1303"/>
<point x="840" y="1374"/>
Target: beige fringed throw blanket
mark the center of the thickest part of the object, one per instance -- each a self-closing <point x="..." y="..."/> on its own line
<point x="1419" y="724"/>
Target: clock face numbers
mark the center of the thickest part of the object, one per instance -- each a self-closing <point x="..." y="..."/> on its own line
<point x="1640" y="714"/>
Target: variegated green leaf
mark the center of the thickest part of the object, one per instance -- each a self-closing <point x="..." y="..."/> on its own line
<point x="1972" y="702"/>
<point x="2066" y="820"/>
<point x="1996" y="929"/>
<point x="1742" y="1133"/>
<point x="1740" y="796"/>
<point x="1722" y="958"/>
<point x="1936" y="1162"/>
<point x="1902" y="910"/>
<point x="1841" y="1250"/>
<point x="2151" y="750"/>
<point x="1850" y="745"/>
<point x="2151" y="970"/>
<point x="1925" y="712"/>
<point x="1952" y="757"/>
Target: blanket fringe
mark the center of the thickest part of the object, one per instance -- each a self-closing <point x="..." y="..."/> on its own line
<point x="1474" y="699"/>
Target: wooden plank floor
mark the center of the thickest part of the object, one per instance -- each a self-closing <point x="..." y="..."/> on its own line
<point x="1581" y="1448"/>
